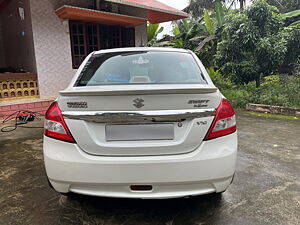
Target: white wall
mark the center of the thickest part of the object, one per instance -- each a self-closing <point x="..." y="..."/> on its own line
<point x="141" y="36"/>
<point x="52" y="46"/>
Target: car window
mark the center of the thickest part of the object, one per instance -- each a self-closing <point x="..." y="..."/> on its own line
<point x="147" y="67"/>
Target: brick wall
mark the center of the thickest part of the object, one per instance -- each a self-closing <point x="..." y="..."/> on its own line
<point x="40" y="107"/>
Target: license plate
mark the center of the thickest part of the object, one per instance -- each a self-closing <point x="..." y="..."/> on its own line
<point x="139" y="132"/>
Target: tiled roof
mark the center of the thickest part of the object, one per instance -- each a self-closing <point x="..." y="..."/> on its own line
<point x="157" y="11"/>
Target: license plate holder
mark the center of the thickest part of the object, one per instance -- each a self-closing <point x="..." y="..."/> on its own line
<point x="139" y="132"/>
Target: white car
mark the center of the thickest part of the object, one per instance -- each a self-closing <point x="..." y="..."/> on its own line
<point x="140" y="123"/>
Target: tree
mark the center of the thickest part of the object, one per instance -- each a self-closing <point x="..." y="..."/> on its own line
<point x="253" y="44"/>
<point x="285" y="5"/>
<point x="200" y="35"/>
<point x="197" y="7"/>
<point x="184" y="30"/>
<point x="291" y="34"/>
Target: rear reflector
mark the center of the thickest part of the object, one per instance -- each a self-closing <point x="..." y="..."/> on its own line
<point x="224" y="122"/>
<point x="55" y="125"/>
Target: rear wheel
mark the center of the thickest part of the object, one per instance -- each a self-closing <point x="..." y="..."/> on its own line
<point x="50" y="185"/>
<point x="217" y="195"/>
<point x="68" y="194"/>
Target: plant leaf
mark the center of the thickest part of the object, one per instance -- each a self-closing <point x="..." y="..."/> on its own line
<point x="202" y="43"/>
<point x="295" y="23"/>
<point x="219" y="13"/>
<point x="291" y="14"/>
<point x="185" y="24"/>
<point x="176" y="30"/>
<point x="152" y="30"/>
<point x="208" y="22"/>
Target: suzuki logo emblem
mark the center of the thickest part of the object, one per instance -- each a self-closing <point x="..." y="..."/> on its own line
<point x="138" y="102"/>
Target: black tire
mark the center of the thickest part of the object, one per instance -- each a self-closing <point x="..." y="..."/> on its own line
<point x="68" y="194"/>
<point x="50" y="185"/>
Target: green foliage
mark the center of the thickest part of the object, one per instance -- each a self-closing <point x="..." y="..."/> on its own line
<point x="273" y="116"/>
<point x="291" y="14"/>
<point x="252" y="46"/>
<point x="197" y="7"/>
<point x="208" y="23"/>
<point x="275" y="90"/>
<point x="221" y="82"/>
<point x="297" y="67"/>
<point x="243" y="50"/>
<point x="153" y="30"/>
<point x="271" y="81"/>
<point x="200" y="35"/>
<point x="285" y="5"/>
<point x="284" y="93"/>
<point x="204" y="44"/>
<point x="219" y="13"/>
<point x="176" y="30"/>
<point x="178" y="43"/>
<point x="291" y="34"/>
<point x="183" y="31"/>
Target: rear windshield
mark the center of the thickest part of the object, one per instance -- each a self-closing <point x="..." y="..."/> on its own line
<point x="140" y="68"/>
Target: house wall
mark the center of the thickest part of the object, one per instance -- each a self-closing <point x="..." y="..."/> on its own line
<point x="141" y="36"/>
<point x="17" y="49"/>
<point x="52" y="44"/>
<point x="2" y="58"/>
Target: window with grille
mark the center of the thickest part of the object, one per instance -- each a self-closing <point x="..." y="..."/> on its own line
<point x="89" y="37"/>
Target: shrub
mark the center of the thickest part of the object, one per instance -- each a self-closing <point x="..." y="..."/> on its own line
<point x="279" y="90"/>
<point x="221" y="82"/>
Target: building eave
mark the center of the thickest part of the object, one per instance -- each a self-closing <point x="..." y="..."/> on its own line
<point x="89" y="15"/>
<point x="161" y="14"/>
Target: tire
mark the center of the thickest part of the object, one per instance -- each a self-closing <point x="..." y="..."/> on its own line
<point x="68" y="194"/>
<point x="50" y="185"/>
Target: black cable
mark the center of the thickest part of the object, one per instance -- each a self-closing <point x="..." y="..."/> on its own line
<point x="23" y="120"/>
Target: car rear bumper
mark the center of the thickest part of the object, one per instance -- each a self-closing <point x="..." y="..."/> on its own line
<point x="208" y="169"/>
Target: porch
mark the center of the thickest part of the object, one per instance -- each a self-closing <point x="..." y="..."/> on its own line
<point x="43" y="42"/>
<point x="18" y="79"/>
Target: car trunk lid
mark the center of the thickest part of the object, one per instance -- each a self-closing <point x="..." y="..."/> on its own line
<point x="139" y="120"/>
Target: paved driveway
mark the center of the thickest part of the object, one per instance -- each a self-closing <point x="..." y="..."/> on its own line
<point x="266" y="189"/>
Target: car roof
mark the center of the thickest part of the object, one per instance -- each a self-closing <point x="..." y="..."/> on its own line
<point x="134" y="49"/>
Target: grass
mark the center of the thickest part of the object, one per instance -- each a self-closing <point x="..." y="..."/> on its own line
<point x="272" y="116"/>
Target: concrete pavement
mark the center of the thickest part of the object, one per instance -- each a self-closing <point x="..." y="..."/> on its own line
<point x="266" y="189"/>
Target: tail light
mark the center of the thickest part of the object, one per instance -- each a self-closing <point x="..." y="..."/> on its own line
<point x="224" y="122"/>
<point x="55" y="125"/>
